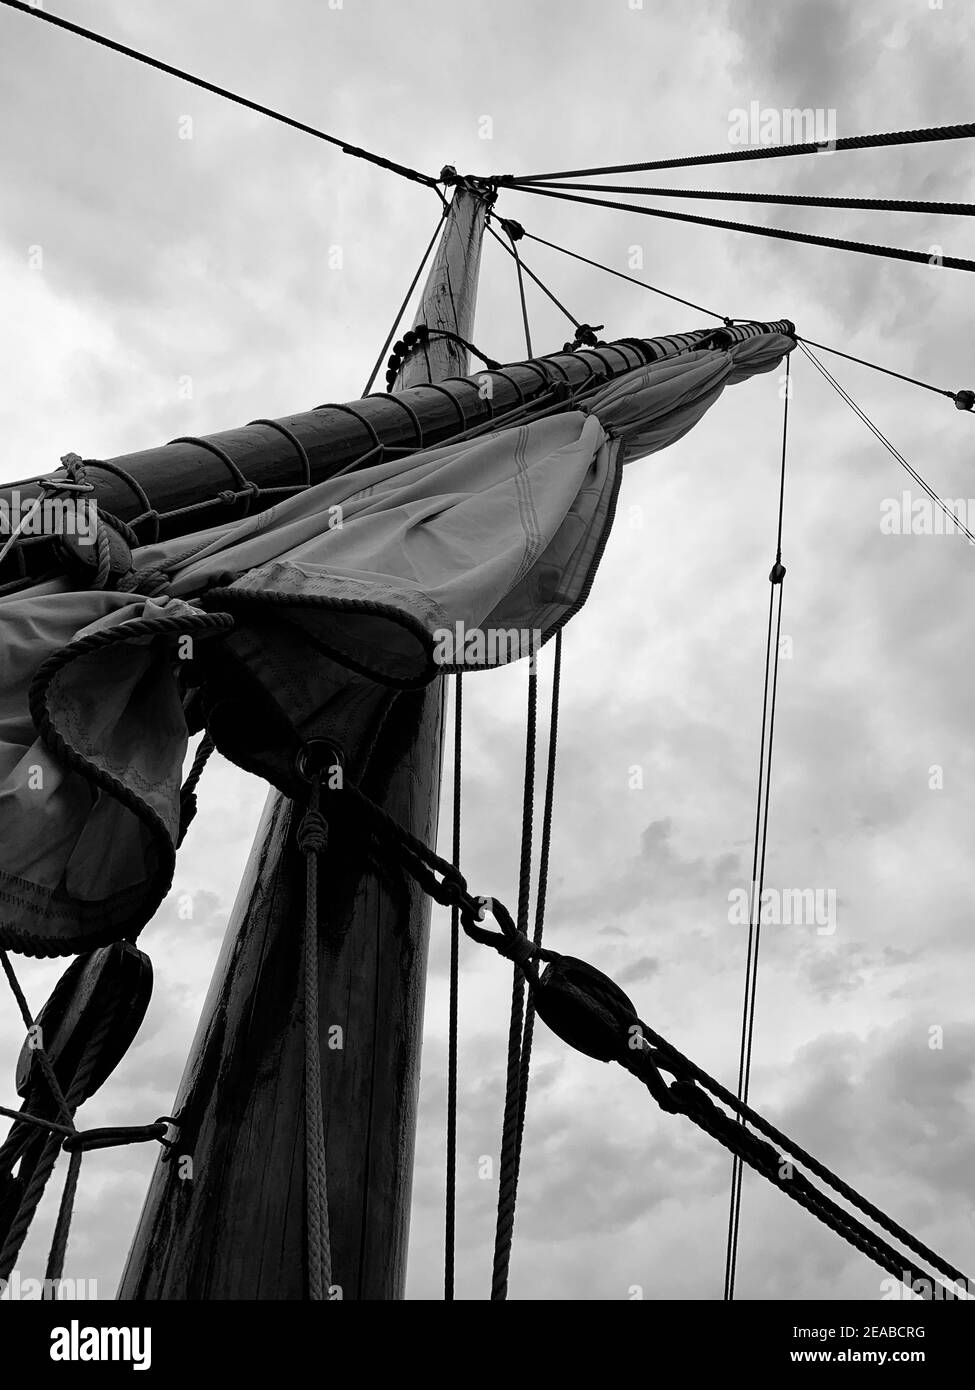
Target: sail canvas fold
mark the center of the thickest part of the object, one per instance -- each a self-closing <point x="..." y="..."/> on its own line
<point x="371" y="583"/>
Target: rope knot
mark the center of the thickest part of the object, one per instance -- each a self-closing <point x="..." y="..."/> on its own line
<point x="312" y="833"/>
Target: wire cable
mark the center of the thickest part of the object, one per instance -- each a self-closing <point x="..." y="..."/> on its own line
<point x="847" y="142"/>
<point x="788" y="199"/>
<point x="402" y="308"/>
<point x="926" y="488"/>
<point x="865" y="248"/>
<point x="939" y="390"/>
<point x="776" y="577"/>
<point x="620" y="275"/>
<point x="544" y="288"/>
<point x="403" y="170"/>
<point x="654" y="289"/>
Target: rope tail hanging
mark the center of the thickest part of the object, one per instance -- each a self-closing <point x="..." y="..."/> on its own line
<point x="508" y="1180"/>
<point x="522" y="1023"/>
<point x="312" y="841"/>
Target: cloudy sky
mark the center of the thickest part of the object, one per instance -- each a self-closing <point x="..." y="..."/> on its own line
<point x="207" y="259"/>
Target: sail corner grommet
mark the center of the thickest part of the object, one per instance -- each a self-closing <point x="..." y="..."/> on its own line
<point x="316" y="757"/>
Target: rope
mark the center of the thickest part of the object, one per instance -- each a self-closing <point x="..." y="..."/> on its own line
<point x="402" y="308"/>
<point x="844" y="394"/>
<point x="544" y="288"/>
<point x="887" y="371"/>
<point x="187" y="792"/>
<point x="620" y="275"/>
<point x="34" y="1191"/>
<point x="450" y="1208"/>
<point x="312" y="840"/>
<point x="847" y="142"/>
<point x="513" y="1104"/>
<point x="675" y="1061"/>
<point x="865" y="248"/>
<point x="62" y="1227"/>
<point x="526" y="1044"/>
<point x="419" y="337"/>
<point x="764" y="1159"/>
<point x="238" y="100"/>
<point x="758" y="854"/>
<point x="791" y="200"/>
<point x="514" y="231"/>
<point x="615" y="1027"/>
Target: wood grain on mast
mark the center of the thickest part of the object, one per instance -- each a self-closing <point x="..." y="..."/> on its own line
<point x="236" y="1228"/>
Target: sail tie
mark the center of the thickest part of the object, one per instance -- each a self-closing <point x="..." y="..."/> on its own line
<point x="312" y="841"/>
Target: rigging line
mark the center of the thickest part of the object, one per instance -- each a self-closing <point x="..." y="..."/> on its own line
<point x="776" y="577"/>
<point x="508" y="1178"/>
<point x="529" y="1030"/>
<point x="888" y="371"/>
<point x="521" y="289"/>
<point x="847" y="142"/>
<point x="450" y="1211"/>
<point x="926" y="487"/>
<point x="528" y="271"/>
<point x="787" y="199"/>
<point x="424" y="865"/>
<point x="736" y="1167"/>
<point x="312" y="839"/>
<point x="633" y="281"/>
<point x="402" y="308"/>
<point x="116" y="47"/>
<point x="865" y="248"/>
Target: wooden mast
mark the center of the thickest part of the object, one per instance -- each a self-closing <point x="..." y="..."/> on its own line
<point x="235" y="1228"/>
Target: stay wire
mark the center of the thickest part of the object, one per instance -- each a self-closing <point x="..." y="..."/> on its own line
<point x="759" y="851"/>
<point x="450" y="1211"/>
<point x="403" y="170"/>
<point x="895" y="452"/>
<point x="848" y="142"/>
<point x="544" y="288"/>
<point x="786" y="199"/>
<point x="713" y="313"/>
<point x="887" y="371"/>
<point x="864" y="248"/>
<point x="402" y="308"/>
<point x="521" y="295"/>
<point x="620" y="275"/>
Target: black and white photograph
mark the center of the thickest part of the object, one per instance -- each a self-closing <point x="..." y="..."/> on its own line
<point x="487" y="785"/>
